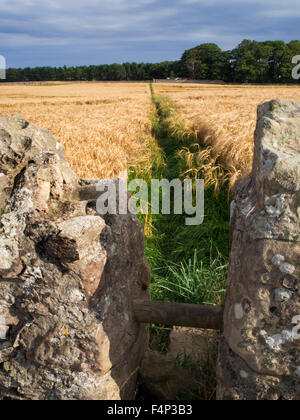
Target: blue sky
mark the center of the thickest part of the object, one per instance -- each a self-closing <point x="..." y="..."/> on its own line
<point x="58" y="32"/>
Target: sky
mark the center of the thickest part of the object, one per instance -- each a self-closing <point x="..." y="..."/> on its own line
<point x="71" y="32"/>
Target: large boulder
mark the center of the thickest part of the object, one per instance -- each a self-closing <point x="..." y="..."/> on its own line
<point x="259" y="355"/>
<point x="67" y="279"/>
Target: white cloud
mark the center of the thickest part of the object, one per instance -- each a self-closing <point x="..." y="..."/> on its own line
<point x="282" y="13"/>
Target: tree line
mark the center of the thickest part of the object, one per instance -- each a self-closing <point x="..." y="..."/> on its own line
<point x="249" y="62"/>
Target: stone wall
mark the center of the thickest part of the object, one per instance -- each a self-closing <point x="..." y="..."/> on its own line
<point x="67" y="279"/>
<point x="259" y="356"/>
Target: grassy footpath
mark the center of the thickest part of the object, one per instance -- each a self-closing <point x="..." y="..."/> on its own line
<point x="188" y="263"/>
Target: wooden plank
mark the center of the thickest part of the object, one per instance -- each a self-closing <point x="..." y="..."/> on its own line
<point x="89" y="192"/>
<point x="179" y="314"/>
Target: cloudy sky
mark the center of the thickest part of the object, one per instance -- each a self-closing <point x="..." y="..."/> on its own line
<point x="72" y="32"/>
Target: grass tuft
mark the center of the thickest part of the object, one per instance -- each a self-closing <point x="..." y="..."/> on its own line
<point x="192" y="282"/>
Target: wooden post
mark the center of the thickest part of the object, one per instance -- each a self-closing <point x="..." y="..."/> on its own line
<point x="89" y="192"/>
<point x="179" y="314"/>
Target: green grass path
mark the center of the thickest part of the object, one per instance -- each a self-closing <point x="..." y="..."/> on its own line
<point x="188" y="263"/>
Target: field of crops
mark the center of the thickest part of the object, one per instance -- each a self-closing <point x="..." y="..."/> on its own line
<point x="225" y="117"/>
<point x="103" y="127"/>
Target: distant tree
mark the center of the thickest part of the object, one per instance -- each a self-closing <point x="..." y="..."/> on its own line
<point x="116" y="72"/>
<point x="293" y="50"/>
<point x="205" y="61"/>
<point x="264" y="62"/>
<point x="279" y="50"/>
<point x="245" y="69"/>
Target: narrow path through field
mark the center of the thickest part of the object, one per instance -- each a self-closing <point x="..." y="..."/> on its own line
<point x="188" y="262"/>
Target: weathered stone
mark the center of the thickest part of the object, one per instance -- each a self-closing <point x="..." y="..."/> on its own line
<point x="238" y="382"/>
<point x="67" y="280"/>
<point x="262" y="310"/>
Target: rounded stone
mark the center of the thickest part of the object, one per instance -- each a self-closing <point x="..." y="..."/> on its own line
<point x="278" y="259"/>
<point x="287" y="268"/>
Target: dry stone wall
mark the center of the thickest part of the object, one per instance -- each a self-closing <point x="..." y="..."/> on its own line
<point x="259" y="355"/>
<point x="67" y="279"/>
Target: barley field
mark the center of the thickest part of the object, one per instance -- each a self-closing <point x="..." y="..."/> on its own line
<point x="226" y="117"/>
<point x="103" y="127"/>
<point x="106" y="127"/>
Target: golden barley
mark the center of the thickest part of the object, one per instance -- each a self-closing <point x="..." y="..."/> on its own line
<point x="225" y="116"/>
<point x="104" y="127"/>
